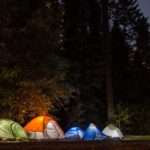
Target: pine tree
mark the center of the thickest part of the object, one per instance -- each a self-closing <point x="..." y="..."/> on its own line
<point x="83" y="49"/>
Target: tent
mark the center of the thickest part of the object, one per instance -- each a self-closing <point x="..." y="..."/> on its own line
<point x="113" y="132"/>
<point x="93" y="133"/>
<point x="44" y="127"/>
<point x="74" y="133"/>
<point x="11" y="130"/>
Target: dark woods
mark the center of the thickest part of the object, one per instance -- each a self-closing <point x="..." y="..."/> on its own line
<point x="82" y="61"/>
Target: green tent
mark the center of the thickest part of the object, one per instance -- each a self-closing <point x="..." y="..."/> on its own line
<point x="11" y="130"/>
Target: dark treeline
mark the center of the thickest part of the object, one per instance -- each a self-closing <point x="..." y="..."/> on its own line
<point x="82" y="61"/>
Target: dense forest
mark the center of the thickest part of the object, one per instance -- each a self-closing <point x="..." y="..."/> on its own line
<point x="81" y="61"/>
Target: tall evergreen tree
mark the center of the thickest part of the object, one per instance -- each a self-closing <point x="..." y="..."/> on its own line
<point x="120" y="63"/>
<point x="83" y="50"/>
<point x="140" y="71"/>
<point x="130" y="44"/>
<point x="108" y="57"/>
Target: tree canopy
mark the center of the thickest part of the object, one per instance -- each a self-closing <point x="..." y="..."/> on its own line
<point x="81" y="61"/>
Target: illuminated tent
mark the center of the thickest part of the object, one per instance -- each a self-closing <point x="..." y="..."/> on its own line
<point x="43" y="127"/>
<point x="11" y="130"/>
<point x="113" y="132"/>
<point x="93" y="133"/>
<point x="74" y="133"/>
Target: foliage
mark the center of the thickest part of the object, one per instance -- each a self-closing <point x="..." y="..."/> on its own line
<point x="76" y="115"/>
<point x="140" y="118"/>
<point x="31" y="78"/>
<point x="28" y="103"/>
<point x="122" y="117"/>
<point x="84" y="54"/>
<point x="50" y="50"/>
<point x="129" y="52"/>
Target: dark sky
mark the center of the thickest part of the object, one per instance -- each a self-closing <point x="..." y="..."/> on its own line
<point x="145" y="7"/>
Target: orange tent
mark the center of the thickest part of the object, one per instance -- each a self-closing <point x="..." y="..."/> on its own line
<point x="43" y="127"/>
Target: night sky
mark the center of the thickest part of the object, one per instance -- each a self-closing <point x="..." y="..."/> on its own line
<point x="145" y="7"/>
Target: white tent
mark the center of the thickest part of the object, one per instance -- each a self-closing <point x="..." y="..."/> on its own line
<point x="113" y="132"/>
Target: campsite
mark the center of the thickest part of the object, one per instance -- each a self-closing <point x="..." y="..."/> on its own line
<point x="74" y="75"/>
<point x="43" y="133"/>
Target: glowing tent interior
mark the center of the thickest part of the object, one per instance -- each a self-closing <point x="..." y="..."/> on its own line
<point x="74" y="133"/>
<point x="93" y="133"/>
<point x="113" y="132"/>
<point x="11" y="130"/>
<point x="44" y="127"/>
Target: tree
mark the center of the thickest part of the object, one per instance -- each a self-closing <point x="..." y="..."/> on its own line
<point x="31" y="78"/>
<point x="83" y="51"/>
<point x="107" y="49"/>
<point x="121" y="73"/>
<point x="130" y="45"/>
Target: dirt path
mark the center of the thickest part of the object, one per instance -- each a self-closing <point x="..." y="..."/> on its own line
<point x="76" y="145"/>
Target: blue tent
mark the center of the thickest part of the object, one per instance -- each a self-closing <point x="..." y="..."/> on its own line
<point x="93" y="133"/>
<point x="74" y="133"/>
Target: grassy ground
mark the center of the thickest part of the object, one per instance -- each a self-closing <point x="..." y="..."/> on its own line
<point x="137" y="137"/>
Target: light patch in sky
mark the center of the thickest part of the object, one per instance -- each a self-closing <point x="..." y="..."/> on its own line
<point x="144" y="5"/>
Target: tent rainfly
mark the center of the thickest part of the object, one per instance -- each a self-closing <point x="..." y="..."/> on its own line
<point x="113" y="132"/>
<point x="93" y="133"/>
<point x="74" y="133"/>
<point x="11" y="130"/>
<point x="43" y="127"/>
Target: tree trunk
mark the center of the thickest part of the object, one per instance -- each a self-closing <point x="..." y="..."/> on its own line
<point x="107" y="49"/>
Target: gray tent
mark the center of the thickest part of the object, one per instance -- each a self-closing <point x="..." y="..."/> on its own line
<point x="113" y="132"/>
